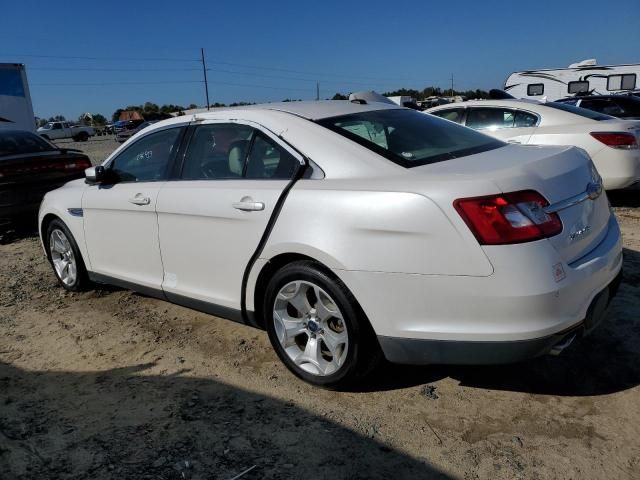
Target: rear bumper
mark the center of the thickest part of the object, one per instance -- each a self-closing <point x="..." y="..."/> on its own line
<point x="618" y="168"/>
<point x="525" y="308"/>
<point x="425" y="352"/>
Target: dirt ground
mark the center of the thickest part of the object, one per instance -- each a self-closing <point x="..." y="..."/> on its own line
<point x="109" y="384"/>
<point x="96" y="148"/>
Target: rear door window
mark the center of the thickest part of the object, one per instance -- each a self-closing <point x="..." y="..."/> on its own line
<point x="267" y="160"/>
<point x="217" y="151"/>
<point x="490" y="118"/>
<point x="453" y="114"/>
<point x="525" y="119"/>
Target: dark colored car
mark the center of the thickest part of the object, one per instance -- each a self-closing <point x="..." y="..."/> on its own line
<point x="121" y="125"/>
<point x="124" y="135"/>
<point x="30" y="166"/>
<point x="622" y="106"/>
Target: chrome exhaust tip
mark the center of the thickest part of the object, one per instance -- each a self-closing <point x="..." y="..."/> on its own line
<point x="559" y="347"/>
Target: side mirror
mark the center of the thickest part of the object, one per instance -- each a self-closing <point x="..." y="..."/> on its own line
<point x="94" y="175"/>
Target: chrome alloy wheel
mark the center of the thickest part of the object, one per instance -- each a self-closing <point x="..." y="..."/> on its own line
<point x="310" y="328"/>
<point x="64" y="261"/>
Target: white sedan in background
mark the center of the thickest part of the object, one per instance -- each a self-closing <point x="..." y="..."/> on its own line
<point x="350" y="232"/>
<point x="612" y="143"/>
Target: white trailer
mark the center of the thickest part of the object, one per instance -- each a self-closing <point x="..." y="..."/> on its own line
<point x="402" y="99"/>
<point x="16" y="111"/>
<point x="583" y="77"/>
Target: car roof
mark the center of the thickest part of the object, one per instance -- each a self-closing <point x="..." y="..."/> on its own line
<point x="590" y="97"/>
<point x="512" y="102"/>
<point x="316" y="110"/>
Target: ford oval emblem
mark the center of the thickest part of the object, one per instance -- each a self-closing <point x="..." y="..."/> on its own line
<point x="594" y="190"/>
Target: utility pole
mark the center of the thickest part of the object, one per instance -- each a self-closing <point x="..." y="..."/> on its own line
<point x="452" y="85"/>
<point x="317" y="90"/>
<point x="204" y="71"/>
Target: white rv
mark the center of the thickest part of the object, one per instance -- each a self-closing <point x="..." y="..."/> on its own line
<point x="16" y="111"/>
<point x="582" y="77"/>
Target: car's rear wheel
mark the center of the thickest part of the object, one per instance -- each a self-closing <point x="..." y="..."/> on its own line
<point x="317" y="328"/>
<point x="65" y="257"/>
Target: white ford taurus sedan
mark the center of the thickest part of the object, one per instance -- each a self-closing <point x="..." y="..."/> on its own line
<point x="611" y="142"/>
<point x="351" y="232"/>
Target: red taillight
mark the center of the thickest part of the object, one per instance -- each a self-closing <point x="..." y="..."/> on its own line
<point x="625" y="141"/>
<point x="31" y="167"/>
<point x="508" y="218"/>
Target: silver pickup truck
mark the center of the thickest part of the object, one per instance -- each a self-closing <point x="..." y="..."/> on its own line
<point x="58" y="130"/>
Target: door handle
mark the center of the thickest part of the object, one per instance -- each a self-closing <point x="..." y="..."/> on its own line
<point x="517" y="142"/>
<point x="247" y="204"/>
<point x="140" y="199"/>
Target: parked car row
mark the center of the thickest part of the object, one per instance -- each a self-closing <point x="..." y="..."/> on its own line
<point x="611" y="143"/>
<point x="126" y="133"/>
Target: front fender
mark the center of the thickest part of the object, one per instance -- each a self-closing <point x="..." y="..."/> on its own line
<point x="65" y="203"/>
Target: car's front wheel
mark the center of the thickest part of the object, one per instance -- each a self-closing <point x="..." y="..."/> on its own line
<point x="317" y="328"/>
<point x="65" y="257"/>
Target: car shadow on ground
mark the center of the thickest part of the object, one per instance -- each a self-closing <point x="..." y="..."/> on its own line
<point x="10" y="232"/>
<point x="604" y="362"/>
<point x="127" y="423"/>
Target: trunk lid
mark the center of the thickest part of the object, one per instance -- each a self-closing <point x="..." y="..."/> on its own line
<point x="29" y="170"/>
<point x="560" y="174"/>
<point x="617" y="125"/>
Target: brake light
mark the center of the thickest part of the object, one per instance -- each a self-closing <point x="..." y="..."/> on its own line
<point x="31" y="167"/>
<point x="621" y="140"/>
<point x="508" y="218"/>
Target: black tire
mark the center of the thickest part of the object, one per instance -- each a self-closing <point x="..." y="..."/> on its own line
<point x="82" y="279"/>
<point x="81" y="137"/>
<point x="363" y="353"/>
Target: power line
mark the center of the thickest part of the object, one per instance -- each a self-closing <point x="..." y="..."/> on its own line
<point x="103" y="84"/>
<point x="221" y="62"/>
<point x="99" y="69"/>
<point x="215" y="70"/>
<point x="100" y="84"/>
<point x="124" y="59"/>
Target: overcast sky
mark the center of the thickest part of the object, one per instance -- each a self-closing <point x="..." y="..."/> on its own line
<point x="97" y="56"/>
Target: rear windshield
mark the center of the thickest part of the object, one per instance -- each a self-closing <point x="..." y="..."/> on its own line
<point x="410" y="138"/>
<point x="18" y="143"/>
<point x="583" y="112"/>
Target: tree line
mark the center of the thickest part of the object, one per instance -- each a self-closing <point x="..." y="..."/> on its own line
<point x="153" y="111"/>
<point x="426" y="93"/>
